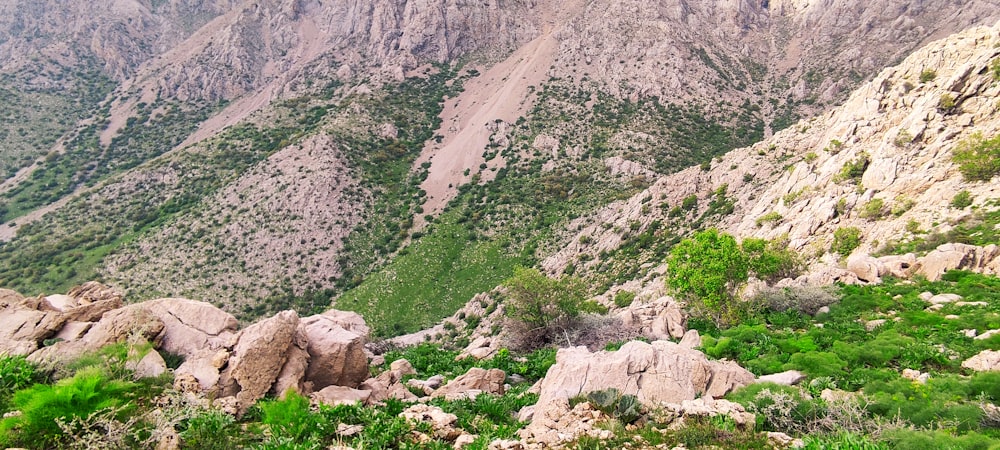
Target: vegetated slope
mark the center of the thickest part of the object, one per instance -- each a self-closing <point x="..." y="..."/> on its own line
<point x="881" y="164"/>
<point x="264" y="80"/>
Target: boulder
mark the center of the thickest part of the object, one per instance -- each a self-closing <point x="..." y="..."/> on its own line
<point x="657" y="372"/>
<point x="190" y="327"/>
<point x="119" y="325"/>
<point x="786" y="378"/>
<point x="149" y="366"/>
<point x="866" y="267"/>
<point x="691" y="339"/>
<point x="403" y="367"/>
<point x="898" y="266"/>
<point x="258" y="357"/>
<point x="442" y="424"/>
<point x="983" y="361"/>
<point x="955" y="256"/>
<point x="340" y="395"/>
<point x="293" y="373"/>
<point x="476" y="379"/>
<point x="387" y="385"/>
<point x="337" y="353"/>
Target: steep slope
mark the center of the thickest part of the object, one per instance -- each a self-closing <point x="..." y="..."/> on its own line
<point x="880" y="163"/>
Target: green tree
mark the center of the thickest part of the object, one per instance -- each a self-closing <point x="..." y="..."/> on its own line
<point x="540" y="307"/>
<point x="709" y="266"/>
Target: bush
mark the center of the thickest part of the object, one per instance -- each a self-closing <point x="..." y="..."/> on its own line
<point x="978" y="158"/>
<point x="623" y="407"/>
<point x="804" y="299"/>
<point x="873" y="209"/>
<point x="624" y="298"/>
<point x="16" y="373"/>
<point x="961" y="200"/>
<point x="928" y="75"/>
<point x="290" y="418"/>
<point x="853" y="169"/>
<point x="995" y="68"/>
<point x="212" y="430"/>
<point x="541" y="308"/>
<point x="779" y="408"/>
<point x="947" y="103"/>
<point x="845" y="240"/>
<point x="770" y="217"/>
<point x="709" y="267"/>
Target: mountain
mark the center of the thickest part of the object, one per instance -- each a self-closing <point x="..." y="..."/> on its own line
<point x="268" y="154"/>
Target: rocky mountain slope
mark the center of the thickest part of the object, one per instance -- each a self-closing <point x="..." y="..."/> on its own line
<point x="266" y="154"/>
<point x="881" y="163"/>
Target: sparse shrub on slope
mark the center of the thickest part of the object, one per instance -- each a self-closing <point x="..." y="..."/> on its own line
<point x="977" y="157"/>
<point x="541" y="308"/>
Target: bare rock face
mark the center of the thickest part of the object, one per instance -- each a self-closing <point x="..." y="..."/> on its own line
<point x="23" y="326"/>
<point x="658" y="372"/>
<point x="337" y="354"/>
<point x="119" y="325"/>
<point x="662" y="318"/>
<point x="92" y="292"/>
<point x="191" y="327"/>
<point x="293" y="373"/>
<point x="956" y="256"/>
<point x="258" y="358"/>
<point x="476" y="379"/>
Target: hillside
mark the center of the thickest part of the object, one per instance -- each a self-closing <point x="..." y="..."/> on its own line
<point x="273" y="154"/>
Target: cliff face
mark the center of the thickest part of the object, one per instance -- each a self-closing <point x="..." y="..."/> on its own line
<point x="796" y="185"/>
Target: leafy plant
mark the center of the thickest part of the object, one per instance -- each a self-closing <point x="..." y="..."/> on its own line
<point x="978" y="158"/>
<point x="928" y="75"/>
<point x="87" y="391"/>
<point x="947" y="103"/>
<point x="853" y="169"/>
<point x="961" y="200"/>
<point x="770" y="217"/>
<point x="845" y="240"/>
<point x="542" y="307"/>
<point x="623" y="407"/>
<point x="873" y="209"/>
<point x="624" y="298"/>
<point x="16" y="373"/>
<point x="212" y="430"/>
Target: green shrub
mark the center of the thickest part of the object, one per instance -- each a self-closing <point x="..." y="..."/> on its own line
<point x="212" y="430"/>
<point x="845" y="240"/>
<point x="873" y="209"/>
<point x="16" y="373"/>
<point x="290" y="418"/>
<point x="995" y="68"/>
<point x="779" y="408"/>
<point x="708" y="267"/>
<point x="927" y="75"/>
<point x="961" y="200"/>
<point x="905" y="439"/>
<point x="903" y="138"/>
<point x="542" y="308"/>
<point x="853" y="169"/>
<point x="624" y="298"/>
<point x="87" y="391"/>
<point x="818" y="364"/>
<point x="770" y="217"/>
<point x="947" y="103"/>
<point x="978" y="158"/>
<point x="901" y="205"/>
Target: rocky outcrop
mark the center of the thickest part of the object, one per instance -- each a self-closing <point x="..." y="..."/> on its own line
<point x="662" y="318"/>
<point x="336" y="346"/>
<point x="659" y="372"/>
<point x="258" y="357"/>
<point x="958" y="256"/>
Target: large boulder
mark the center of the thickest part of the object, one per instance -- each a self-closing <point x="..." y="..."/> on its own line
<point x="336" y="346"/>
<point x="190" y="327"/>
<point x="258" y="357"/>
<point x="866" y="267"/>
<point x="293" y="373"/>
<point x="93" y="292"/>
<point x="956" y="256"/>
<point x="658" y="372"/>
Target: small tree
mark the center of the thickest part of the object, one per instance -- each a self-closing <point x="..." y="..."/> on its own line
<point x="708" y="267"/>
<point x="542" y="308"/>
<point x="978" y="158"/>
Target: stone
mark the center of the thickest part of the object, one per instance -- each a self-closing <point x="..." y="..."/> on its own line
<point x="93" y="292"/>
<point x="476" y="379"/>
<point x="657" y="372"/>
<point x="871" y="325"/>
<point x="293" y="373"/>
<point x="866" y="267"/>
<point x="786" y="378"/>
<point x="691" y="339"/>
<point x="403" y="367"/>
<point x="119" y="325"/>
<point x="442" y="423"/>
<point x="258" y="357"/>
<point x="983" y="361"/>
<point x="151" y="365"/>
<point x="341" y="395"/>
<point x="337" y="354"/>
<point x="191" y="326"/>
<point x="985" y="335"/>
<point x="942" y="299"/>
